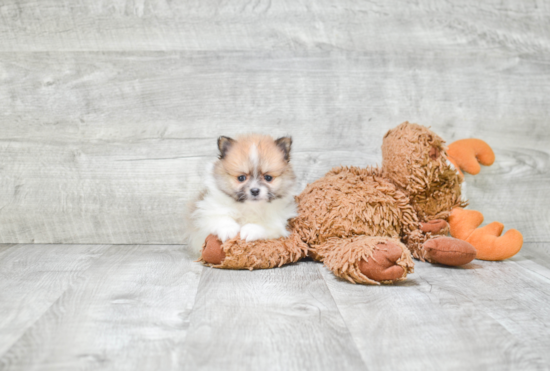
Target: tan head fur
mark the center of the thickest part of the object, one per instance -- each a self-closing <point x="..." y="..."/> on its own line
<point x="414" y="158"/>
<point x="254" y="167"/>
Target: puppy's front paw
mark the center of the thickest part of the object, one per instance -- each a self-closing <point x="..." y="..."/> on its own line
<point x="227" y="230"/>
<point x="253" y="232"/>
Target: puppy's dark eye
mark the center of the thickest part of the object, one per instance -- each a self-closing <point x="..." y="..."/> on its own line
<point x="268" y="178"/>
<point x="241" y="178"/>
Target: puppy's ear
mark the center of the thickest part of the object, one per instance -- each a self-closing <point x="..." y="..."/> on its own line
<point x="224" y="144"/>
<point x="284" y="144"/>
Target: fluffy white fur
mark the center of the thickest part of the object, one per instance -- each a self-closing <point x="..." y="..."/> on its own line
<point x="219" y="214"/>
<point x="463" y="187"/>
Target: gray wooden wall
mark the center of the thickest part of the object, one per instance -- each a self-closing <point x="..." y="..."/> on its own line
<point x="109" y="109"/>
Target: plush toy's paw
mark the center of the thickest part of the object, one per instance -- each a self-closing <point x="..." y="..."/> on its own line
<point x="435" y="226"/>
<point x="212" y="252"/>
<point x="466" y="153"/>
<point x="228" y="230"/>
<point x="489" y="243"/>
<point x="449" y="251"/>
<point x="382" y="265"/>
<point x="367" y="260"/>
<point x="252" y="232"/>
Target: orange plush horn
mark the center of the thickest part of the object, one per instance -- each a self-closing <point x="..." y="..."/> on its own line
<point x="489" y="243"/>
<point x="466" y="153"/>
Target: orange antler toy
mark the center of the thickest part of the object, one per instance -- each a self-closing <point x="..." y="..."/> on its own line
<point x="490" y="245"/>
<point x="467" y="154"/>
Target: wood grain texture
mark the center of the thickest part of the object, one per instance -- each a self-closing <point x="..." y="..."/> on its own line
<point x="483" y="316"/>
<point x="276" y="319"/>
<point x="32" y="278"/>
<point x="515" y="191"/>
<point x="535" y="257"/>
<point x="283" y="25"/>
<point x="129" y="307"/>
<point x="110" y="110"/>
<point x="108" y="147"/>
<point x="89" y="307"/>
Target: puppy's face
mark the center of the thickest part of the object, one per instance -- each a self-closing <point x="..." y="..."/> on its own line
<point x="254" y="168"/>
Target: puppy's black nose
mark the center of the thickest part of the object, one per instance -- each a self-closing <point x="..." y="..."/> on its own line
<point x="255" y="191"/>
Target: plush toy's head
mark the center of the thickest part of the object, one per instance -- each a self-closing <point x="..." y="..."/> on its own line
<point x="414" y="158"/>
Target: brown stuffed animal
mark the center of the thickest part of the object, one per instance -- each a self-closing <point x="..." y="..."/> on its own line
<point x="364" y="224"/>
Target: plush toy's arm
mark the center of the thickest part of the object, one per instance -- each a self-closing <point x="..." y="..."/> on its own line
<point x="261" y="254"/>
<point x="365" y="259"/>
<point x="467" y="154"/>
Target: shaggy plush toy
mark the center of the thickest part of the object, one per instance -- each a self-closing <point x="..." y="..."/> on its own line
<point x="365" y="223"/>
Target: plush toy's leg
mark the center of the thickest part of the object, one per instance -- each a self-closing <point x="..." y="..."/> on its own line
<point x="367" y="260"/>
<point x="435" y="247"/>
<point x="466" y="153"/>
<point x="448" y="251"/>
<point x="261" y="254"/>
<point x="438" y="248"/>
<point x="464" y="225"/>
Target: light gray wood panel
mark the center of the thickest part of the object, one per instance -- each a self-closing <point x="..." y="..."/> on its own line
<point x="515" y="191"/>
<point x="327" y="99"/>
<point x="484" y="316"/>
<point x="101" y="201"/>
<point x="535" y="256"/>
<point x="143" y="307"/>
<point x="256" y="25"/>
<point x="32" y="278"/>
<point x="277" y="319"/>
<point x="128" y="310"/>
<point x="108" y="147"/>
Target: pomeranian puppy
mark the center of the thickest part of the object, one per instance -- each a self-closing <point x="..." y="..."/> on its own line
<point x="249" y="190"/>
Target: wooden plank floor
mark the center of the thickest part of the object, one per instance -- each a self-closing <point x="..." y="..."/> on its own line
<point x="150" y="307"/>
